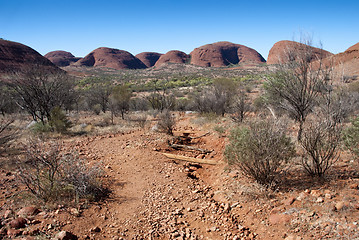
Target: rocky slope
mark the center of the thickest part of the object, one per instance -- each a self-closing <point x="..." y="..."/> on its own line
<point x="221" y="54"/>
<point x="347" y="62"/>
<point x="111" y="58"/>
<point x="16" y="56"/>
<point x="149" y="58"/>
<point x="277" y="54"/>
<point x="173" y="56"/>
<point x="61" y="58"/>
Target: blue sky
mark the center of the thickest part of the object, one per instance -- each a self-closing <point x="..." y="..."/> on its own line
<point x="80" y="26"/>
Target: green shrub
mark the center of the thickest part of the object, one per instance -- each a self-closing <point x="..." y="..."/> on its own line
<point x="351" y="137"/>
<point x="40" y="127"/>
<point x="59" y="121"/>
<point x="260" y="150"/>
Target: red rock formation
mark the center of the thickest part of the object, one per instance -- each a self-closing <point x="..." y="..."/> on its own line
<point x="221" y="54"/>
<point x="278" y="52"/>
<point x="347" y="62"/>
<point x="173" y="56"/>
<point x="149" y="58"/>
<point x="16" y="56"/>
<point x="61" y="58"/>
<point x="111" y="58"/>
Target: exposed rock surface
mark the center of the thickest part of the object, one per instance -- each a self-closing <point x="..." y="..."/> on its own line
<point x="277" y="53"/>
<point x="16" y="56"/>
<point x="149" y="58"/>
<point x="173" y="56"/>
<point x="347" y="62"/>
<point x="61" y="58"/>
<point x="221" y="54"/>
<point x="111" y="58"/>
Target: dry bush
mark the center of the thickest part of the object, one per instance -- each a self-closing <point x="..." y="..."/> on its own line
<point x="260" y="150"/>
<point x="351" y="137"/>
<point x="321" y="142"/>
<point x="7" y="134"/>
<point x="51" y="175"/>
<point x="166" y="122"/>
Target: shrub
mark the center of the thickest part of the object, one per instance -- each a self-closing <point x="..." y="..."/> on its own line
<point x="51" y="175"/>
<point x="321" y="141"/>
<point x="7" y="134"/>
<point x="166" y="122"/>
<point x="59" y="121"/>
<point x="351" y="137"/>
<point x="260" y="150"/>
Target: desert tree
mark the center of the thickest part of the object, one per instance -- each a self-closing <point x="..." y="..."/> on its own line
<point x="240" y="106"/>
<point x="39" y="91"/>
<point x="161" y="97"/>
<point x="298" y="81"/>
<point x="216" y="98"/>
<point x="98" y="93"/>
<point x="119" y="100"/>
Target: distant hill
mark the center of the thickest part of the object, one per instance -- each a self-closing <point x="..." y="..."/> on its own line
<point x="15" y="57"/>
<point x="61" y="58"/>
<point x="173" y="56"/>
<point x="221" y="54"/>
<point x="111" y="58"/>
<point x="347" y="62"/>
<point x="277" y="54"/>
<point x="149" y="58"/>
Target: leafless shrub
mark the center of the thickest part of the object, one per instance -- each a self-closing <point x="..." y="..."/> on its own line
<point x="7" y="134"/>
<point x="50" y="174"/>
<point x="260" y="150"/>
<point x="321" y="141"/>
<point x="166" y="122"/>
<point x="240" y="107"/>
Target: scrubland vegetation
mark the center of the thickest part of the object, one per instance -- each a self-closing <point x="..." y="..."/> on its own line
<point x="295" y="114"/>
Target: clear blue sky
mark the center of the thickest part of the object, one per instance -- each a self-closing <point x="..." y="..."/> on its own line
<point x="80" y="26"/>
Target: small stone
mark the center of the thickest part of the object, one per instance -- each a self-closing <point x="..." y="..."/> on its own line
<point x="328" y="196"/>
<point x="320" y="200"/>
<point x="14" y="232"/>
<point x="7" y="214"/>
<point x="316" y="193"/>
<point x="18" y="223"/>
<point x="95" y="229"/>
<point x="75" y="212"/>
<point x="339" y="205"/>
<point x="275" y="219"/>
<point x="289" y="201"/>
<point x="354" y="186"/>
<point x="27" y="211"/>
<point x="65" y="235"/>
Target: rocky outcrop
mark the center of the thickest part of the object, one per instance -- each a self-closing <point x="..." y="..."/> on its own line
<point x="149" y="58"/>
<point x="15" y="57"/>
<point x="61" y="58"/>
<point x="347" y="62"/>
<point x="173" y="56"/>
<point x="278" y="53"/>
<point x="111" y="58"/>
<point x="221" y="54"/>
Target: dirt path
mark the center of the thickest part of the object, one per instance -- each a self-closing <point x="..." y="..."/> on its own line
<point x="152" y="196"/>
